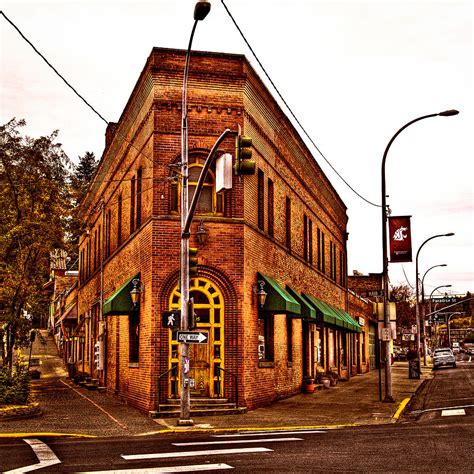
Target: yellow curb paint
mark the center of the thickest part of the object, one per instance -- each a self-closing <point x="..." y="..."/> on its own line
<point x="35" y="435"/>
<point x="256" y="428"/>
<point x="401" y="408"/>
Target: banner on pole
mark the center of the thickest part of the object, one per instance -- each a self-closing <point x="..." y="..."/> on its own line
<point x="400" y="238"/>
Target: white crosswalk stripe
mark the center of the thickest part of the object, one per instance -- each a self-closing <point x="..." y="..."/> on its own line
<point x="183" y="454"/>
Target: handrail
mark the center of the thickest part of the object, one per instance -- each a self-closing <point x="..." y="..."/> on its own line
<point x="173" y="367"/>
<point x="236" y="385"/>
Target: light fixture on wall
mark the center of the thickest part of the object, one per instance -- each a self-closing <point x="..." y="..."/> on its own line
<point x="202" y="234"/>
<point x="261" y="293"/>
<point x="136" y="291"/>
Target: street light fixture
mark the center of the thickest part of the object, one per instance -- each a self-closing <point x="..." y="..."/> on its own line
<point x="388" y="369"/>
<point x="417" y="304"/>
<point x="201" y="10"/>
<point x="423" y="307"/>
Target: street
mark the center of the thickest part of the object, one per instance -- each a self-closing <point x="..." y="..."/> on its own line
<point x="436" y="433"/>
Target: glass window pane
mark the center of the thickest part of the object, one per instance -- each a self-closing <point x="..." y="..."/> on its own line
<point x="199" y="297"/>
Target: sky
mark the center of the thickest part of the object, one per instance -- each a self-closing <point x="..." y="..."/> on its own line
<point x="353" y="72"/>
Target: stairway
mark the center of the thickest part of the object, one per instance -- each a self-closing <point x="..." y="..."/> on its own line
<point x="199" y="407"/>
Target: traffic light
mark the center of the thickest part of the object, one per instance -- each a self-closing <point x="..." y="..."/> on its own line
<point x="193" y="261"/>
<point x="243" y="154"/>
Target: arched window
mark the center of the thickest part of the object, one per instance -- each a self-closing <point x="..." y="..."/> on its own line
<point x="209" y="201"/>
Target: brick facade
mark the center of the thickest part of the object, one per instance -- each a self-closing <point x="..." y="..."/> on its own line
<point x="141" y="152"/>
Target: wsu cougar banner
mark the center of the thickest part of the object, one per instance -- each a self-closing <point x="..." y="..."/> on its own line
<point x="400" y="238"/>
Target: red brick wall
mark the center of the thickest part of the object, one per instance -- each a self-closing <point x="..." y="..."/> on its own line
<point x="223" y="92"/>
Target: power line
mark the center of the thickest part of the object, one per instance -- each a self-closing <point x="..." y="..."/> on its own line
<point x="140" y="152"/>
<point x="291" y="111"/>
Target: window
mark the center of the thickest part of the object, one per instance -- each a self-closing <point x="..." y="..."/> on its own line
<point x="288" y="223"/>
<point x="342" y="268"/>
<point x="323" y="254"/>
<point x="119" y="221"/>
<point x="107" y="233"/>
<point x="266" y="327"/>
<point x="88" y="259"/>
<point x="139" y="197"/>
<point x="333" y="261"/>
<point x="270" y="206"/>
<point x="261" y="200"/>
<point x="209" y="201"/>
<point x="99" y="246"/>
<point x="308" y="239"/>
<point x="289" y="338"/>
<point x="132" y="205"/>
<point x="134" y="335"/>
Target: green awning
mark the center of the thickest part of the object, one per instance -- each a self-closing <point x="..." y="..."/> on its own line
<point x="278" y="299"/>
<point x="329" y="314"/>
<point x="324" y="311"/>
<point x="308" y="311"/>
<point x="120" y="302"/>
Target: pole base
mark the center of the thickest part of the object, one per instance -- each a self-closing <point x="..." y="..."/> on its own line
<point x="388" y="399"/>
<point x="188" y="422"/>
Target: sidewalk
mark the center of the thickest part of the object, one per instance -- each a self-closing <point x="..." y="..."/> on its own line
<point x="70" y="409"/>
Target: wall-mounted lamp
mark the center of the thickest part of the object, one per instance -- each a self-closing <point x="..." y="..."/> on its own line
<point x="260" y="292"/>
<point x="201" y="234"/>
<point x="136" y="291"/>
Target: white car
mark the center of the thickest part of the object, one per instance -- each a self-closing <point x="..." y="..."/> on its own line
<point x="443" y="357"/>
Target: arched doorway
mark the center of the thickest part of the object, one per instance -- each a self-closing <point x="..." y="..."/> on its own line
<point x="206" y="360"/>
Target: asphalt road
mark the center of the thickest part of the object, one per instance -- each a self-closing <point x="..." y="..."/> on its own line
<point x="430" y="438"/>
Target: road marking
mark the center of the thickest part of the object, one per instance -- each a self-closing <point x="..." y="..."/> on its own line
<point x="185" y="454"/>
<point x="242" y="441"/>
<point x="268" y="433"/>
<point x="44" y="453"/>
<point x="453" y="412"/>
<point x="148" y="470"/>
<point x="417" y="412"/>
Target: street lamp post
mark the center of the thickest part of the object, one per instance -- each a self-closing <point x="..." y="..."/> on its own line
<point x="201" y="10"/>
<point x="431" y="299"/>
<point x="423" y="308"/>
<point x="388" y="369"/>
<point x="417" y="286"/>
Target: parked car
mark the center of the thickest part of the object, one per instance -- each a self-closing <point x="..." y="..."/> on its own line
<point x="443" y="357"/>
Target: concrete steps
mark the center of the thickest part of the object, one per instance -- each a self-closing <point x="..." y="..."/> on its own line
<point x="199" y="407"/>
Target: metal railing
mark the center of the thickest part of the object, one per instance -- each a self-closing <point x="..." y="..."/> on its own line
<point x="236" y="385"/>
<point x="174" y="369"/>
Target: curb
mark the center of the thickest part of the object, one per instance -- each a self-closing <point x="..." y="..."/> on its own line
<point x="41" y="434"/>
<point x="14" y="412"/>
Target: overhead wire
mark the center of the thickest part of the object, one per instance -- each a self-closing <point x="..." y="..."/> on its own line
<point x="140" y="152"/>
<point x="290" y="109"/>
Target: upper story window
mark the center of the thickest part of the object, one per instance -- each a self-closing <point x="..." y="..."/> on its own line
<point x="270" y="206"/>
<point x="209" y="202"/>
<point x="261" y="200"/>
<point x="288" y="222"/>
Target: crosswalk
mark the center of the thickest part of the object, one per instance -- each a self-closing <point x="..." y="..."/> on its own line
<point x="219" y="441"/>
<point x="231" y="444"/>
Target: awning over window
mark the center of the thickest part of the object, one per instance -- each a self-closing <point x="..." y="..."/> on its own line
<point x="308" y="312"/>
<point x="278" y="299"/>
<point x="329" y="314"/>
<point x="120" y="302"/>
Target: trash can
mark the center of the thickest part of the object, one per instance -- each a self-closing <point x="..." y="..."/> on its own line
<point x="414" y="369"/>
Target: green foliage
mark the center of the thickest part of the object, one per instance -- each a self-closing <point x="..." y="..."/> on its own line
<point x="14" y="385"/>
<point x="34" y="198"/>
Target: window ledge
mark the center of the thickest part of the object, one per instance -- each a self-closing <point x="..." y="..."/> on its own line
<point x="266" y="364"/>
<point x="133" y="365"/>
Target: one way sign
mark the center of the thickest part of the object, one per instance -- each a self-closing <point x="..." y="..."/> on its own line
<point x="193" y="337"/>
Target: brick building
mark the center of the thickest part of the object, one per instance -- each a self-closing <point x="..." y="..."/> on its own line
<point x="282" y="229"/>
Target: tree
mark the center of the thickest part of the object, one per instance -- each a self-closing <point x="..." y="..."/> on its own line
<point x="80" y="180"/>
<point x="35" y="202"/>
<point x="403" y="296"/>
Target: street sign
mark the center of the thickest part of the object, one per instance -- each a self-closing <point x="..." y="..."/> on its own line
<point x="375" y="293"/>
<point x="171" y="319"/>
<point x="193" y="337"/>
<point x="444" y="299"/>
<point x="386" y="334"/>
<point x="438" y="318"/>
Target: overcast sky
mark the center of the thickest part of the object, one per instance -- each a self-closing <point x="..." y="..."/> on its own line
<point x="353" y="72"/>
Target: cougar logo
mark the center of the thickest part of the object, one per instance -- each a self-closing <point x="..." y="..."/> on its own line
<point x="400" y="234"/>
